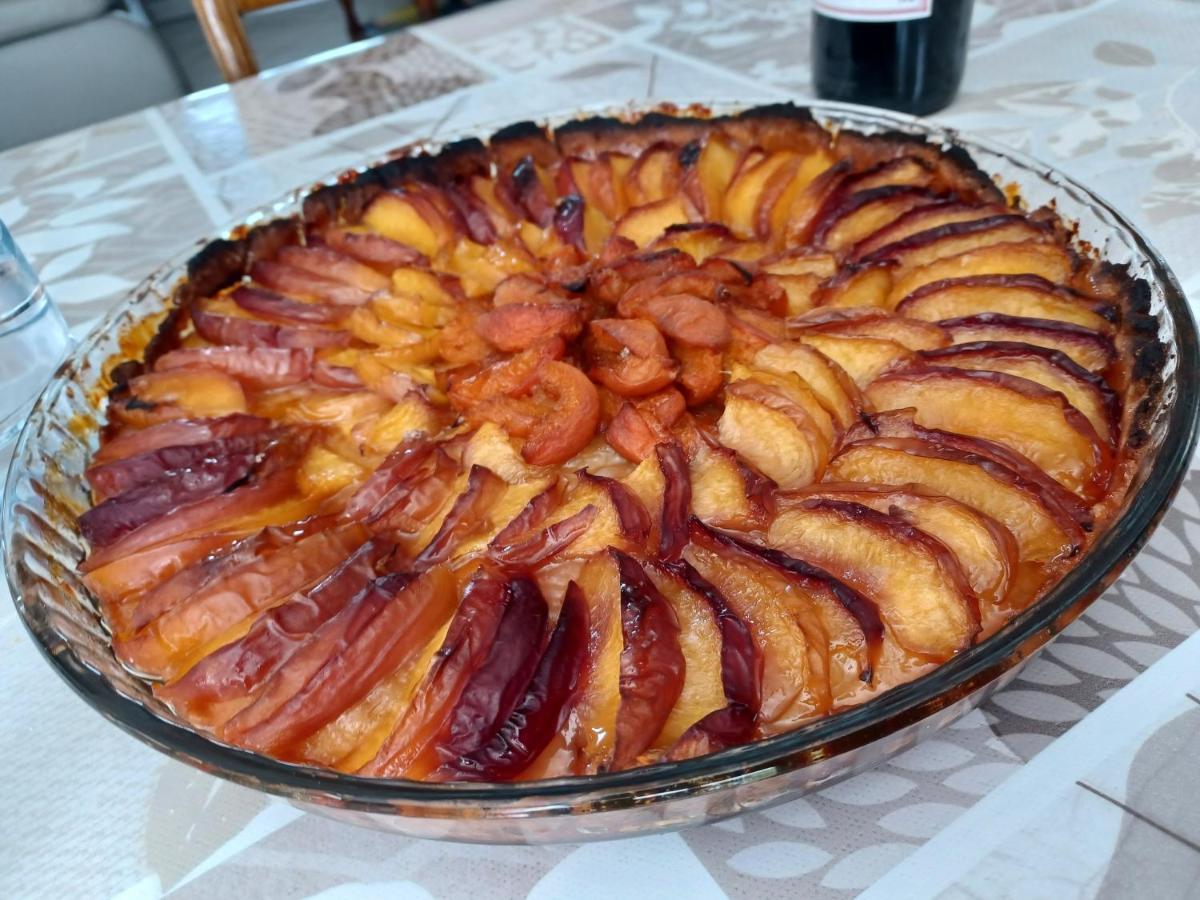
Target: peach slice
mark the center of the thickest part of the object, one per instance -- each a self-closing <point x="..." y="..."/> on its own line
<point x="863" y="212"/>
<point x="1047" y="261"/>
<point x="228" y="680"/>
<point x="842" y="625"/>
<point x="587" y="743"/>
<point x="176" y="640"/>
<point x="541" y="711"/>
<point x="1090" y="349"/>
<point x="956" y="238"/>
<point x="872" y="323"/>
<point x="746" y="194"/>
<point x="398" y="218"/>
<point x="644" y="224"/>
<point x="829" y="381"/>
<point x="902" y="424"/>
<point x="381" y="253"/>
<point x="708" y="180"/>
<point x="702" y="691"/>
<point x="652" y="662"/>
<point x="986" y="550"/>
<point x="923" y="596"/>
<point x="862" y="358"/>
<point x="795" y="683"/>
<point x="1032" y="420"/>
<point x="797" y="392"/>
<point x="1087" y="392"/>
<point x="770" y="440"/>
<point x="724" y="492"/>
<point x="1028" y="296"/>
<point x="921" y="219"/>
<point x="656" y="175"/>
<point x="857" y="286"/>
<point x="1043" y="534"/>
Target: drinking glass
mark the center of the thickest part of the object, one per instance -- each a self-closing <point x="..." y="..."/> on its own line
<point x="33" y="337"/>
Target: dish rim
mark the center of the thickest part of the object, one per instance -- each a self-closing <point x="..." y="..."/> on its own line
<point x="832" y="735"/>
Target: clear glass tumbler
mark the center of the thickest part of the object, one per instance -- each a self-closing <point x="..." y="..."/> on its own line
<point x="33" y="337"/>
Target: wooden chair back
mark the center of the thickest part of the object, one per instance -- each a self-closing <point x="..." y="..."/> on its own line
<point x="226" y="34"/>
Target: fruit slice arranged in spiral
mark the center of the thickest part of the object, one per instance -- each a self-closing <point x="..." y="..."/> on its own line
<point x="568" y="452"/>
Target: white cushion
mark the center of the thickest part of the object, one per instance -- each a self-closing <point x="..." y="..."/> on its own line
<point x="79" y="75"/>
<point x="21" y="18"/>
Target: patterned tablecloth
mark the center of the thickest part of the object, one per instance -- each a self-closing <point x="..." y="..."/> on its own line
<point x="1079" y="779"/>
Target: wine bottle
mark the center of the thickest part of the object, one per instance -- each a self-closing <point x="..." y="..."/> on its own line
<point x="907" y="55"/>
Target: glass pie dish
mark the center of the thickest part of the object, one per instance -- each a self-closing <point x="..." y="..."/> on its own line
<point x="46" y="493"/>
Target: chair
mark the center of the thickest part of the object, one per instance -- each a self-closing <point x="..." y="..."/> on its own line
<point x="226" y="35"/>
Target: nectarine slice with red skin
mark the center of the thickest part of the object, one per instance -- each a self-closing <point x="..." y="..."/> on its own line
<point x="1024" y="416"/>
<point x="864" y="359"/>
<point x="294" y="283"/>
<point x="863" y="212"/>
<point x="702" y="691"/>
<point x="586" y="743"/>
<point x="956" y="238"/>
<point x="539" y="714"/>
<point x="186" y="583"/>
<point x="1046" y="261"/>
<point x="119" y="475"/>
<point x="986" y="549"/>
<point x="920" y="219"/>
<point x="677" y="500"/>
<point x="465" y="515"/>
<point x="404" y="621"/>
<point x="923" y="596"/>
<point x="327" y="263"/>
<point x="177" y="433"/>
<point x="1064" y="505"/>
<point x="741" y="675"/>
<point x="652" y="664"/>
<point x="535" y="548"/>
<point x="1089" y="348"/>
<point x="643" y="224"/>
<point x="375" y="250"/>
<point x="194" y="393"/>
<point x="1042" y="534"/>
<point x="471" y="635"/>
<point x="238" y="331"/>
<point x="167" y="646"/>
<point x="120" y="584"/>
<point x="268" y="483"/>
<point x="393" y="478"/>
<point x="1087" y="392"/>
<point x="829" y="381"/>
<point x="872" y="323"/>
<point x="229" y="679"/>
<point x="862" y="610"/>
<point x="260" y="367"/>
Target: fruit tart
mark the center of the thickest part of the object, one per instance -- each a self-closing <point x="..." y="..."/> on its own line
<point x="571" y="451"/>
